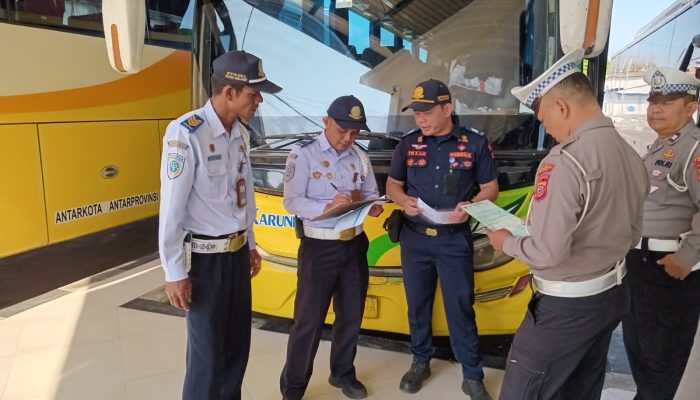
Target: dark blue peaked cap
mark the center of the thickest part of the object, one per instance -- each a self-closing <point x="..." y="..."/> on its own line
<point x="239" y="67"/>
<point x="348" y="112"/>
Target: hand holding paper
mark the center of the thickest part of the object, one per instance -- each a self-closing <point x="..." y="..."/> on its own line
<point x="495" y="218"/>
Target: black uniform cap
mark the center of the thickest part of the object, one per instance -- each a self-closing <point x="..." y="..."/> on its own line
<point x="239" y="67"/>
<point x="348" y="112"/>
<point x="428" y="94"/>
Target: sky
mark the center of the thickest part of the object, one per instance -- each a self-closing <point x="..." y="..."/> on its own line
<point x="629" y="16"/>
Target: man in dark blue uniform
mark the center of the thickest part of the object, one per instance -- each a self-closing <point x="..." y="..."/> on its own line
<point x="440" y="163"/>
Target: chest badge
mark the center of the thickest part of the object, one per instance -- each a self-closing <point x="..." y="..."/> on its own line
<point x="329" y="176"/>
<point x="316" y="175"/>
<point x="462" y="147"/>
<point x="212" y="148"/>
<point x="326" y="164"/>
<point x="669" y="154"/>
<point x="656" y="173"/>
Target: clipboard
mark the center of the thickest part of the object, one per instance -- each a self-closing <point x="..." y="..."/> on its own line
<point x="343" y="209"/>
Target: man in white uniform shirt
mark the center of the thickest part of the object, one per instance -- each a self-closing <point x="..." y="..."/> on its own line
<point x="207" y="204"/>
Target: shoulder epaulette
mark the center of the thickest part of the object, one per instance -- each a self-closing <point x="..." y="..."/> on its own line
<point x="305" y="142"/>
<point x="192" y="123"/>
<point x="411" y="132"/>
<point x="475" y="131"/>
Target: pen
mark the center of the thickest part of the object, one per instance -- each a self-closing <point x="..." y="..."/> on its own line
<point x="340" y="191"/>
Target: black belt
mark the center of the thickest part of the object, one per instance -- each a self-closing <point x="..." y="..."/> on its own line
<point x="207" y="237"/>
<point x="428" y="230"/>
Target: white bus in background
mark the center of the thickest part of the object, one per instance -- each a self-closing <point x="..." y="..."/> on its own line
<point x="668" y="40"/>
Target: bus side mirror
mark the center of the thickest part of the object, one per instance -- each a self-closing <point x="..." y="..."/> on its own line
<point x="696" y="41"/>
<point x="125" y="26"/>
<point x="584" y="24"/>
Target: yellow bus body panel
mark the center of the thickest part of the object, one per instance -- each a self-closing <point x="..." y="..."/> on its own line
<point x="274" y="288"/>
<point x="74" y="157"/>
<point x="22" y="201"/>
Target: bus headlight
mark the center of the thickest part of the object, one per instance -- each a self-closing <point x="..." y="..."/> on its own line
<point x="485" y="256"/>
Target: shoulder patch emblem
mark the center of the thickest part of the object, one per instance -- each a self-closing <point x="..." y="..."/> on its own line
<point x="176" y="163"/>
<point x="546" y="168"/>
<point x="192" y="123"/>
<point x="541" y="189"/>
<point x="289" y="170"/>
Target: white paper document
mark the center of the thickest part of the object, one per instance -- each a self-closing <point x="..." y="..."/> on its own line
<point x="433" y="215"/>
<point x="357" y="216"/>
<point x="495" y="218"/>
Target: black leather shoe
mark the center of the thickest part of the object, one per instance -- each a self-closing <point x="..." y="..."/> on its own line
<point x="352" y="388"/>
<point x="412" y="381"/>
<point x="475" y="390"/>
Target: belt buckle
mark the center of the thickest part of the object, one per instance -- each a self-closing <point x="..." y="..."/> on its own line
<point x="347" y="234"/>
<point x="235" y="243"/>
<point x="431" y="232"/>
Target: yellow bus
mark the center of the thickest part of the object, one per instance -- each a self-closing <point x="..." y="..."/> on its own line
<point x="86" y="141"/>
<point x="378" y="50"/>
<point x="82" y="141"/>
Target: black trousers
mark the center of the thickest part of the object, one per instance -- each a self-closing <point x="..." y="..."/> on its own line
<point x="560" y="350"/>
<point x="661" y="326"/>
<point x="327" y="269"/>
<point x="218" y="326"/>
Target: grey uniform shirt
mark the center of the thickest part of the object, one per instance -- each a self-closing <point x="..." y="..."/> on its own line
<point x="669" y="212"/>
<point x="310" y="170"/>
<point x="556" y="250"/>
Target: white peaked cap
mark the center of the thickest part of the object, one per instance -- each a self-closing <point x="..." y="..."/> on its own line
<point x="665" y="81"/>
<point x="534" y="90"/>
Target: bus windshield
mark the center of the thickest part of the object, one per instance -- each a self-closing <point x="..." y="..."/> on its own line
<point x="378" y="50"/>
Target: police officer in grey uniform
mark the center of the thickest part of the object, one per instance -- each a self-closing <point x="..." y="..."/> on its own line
<point x="207" y="205"/>
<point x="660" y="328"/>
<point x="322" y="173"/>
<point x="586" y="213"/>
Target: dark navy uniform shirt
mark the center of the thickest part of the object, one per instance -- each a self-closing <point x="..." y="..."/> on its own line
<point x="442" y="170"/>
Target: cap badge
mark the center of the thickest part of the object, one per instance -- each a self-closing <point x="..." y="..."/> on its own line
<point x="236" y="76"/>
<point x="658" y="80"/>
<point x="418" y="92"/>
<point x="261" y="73"/>
<point x="356" y="112"/>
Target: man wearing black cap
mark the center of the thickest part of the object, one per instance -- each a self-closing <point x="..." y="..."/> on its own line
<point x="322" y="173"/>
<point x="207" y="207"/>
<point x="440" y="163"/>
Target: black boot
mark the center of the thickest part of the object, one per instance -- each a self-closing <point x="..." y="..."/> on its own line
<point x="352" y="388"/>
<point x="475" y="390"/>
<point x="412" y="381"/>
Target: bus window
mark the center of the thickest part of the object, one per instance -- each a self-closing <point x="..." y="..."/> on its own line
<point x="166" y="22"/>
<point x="686" y="28"/>
<point x="76" y="14"/>
<point x="48" y="12"/>
<point x="3" y="10"/>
